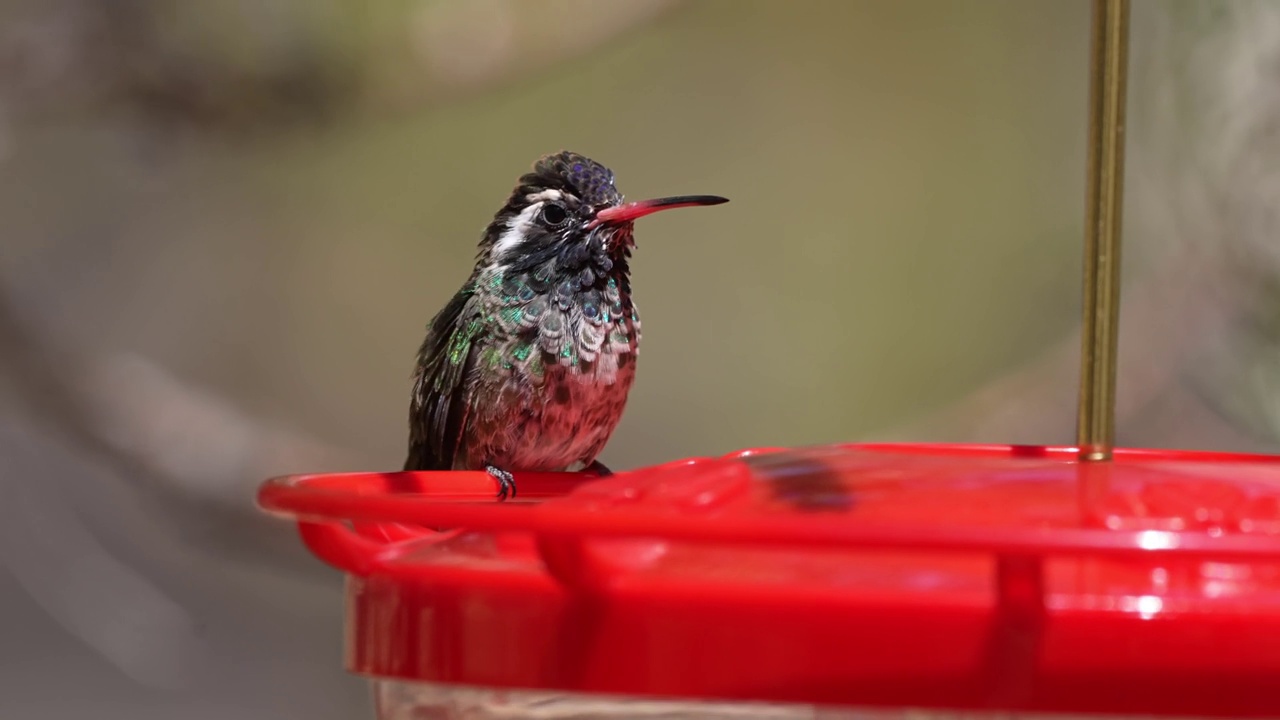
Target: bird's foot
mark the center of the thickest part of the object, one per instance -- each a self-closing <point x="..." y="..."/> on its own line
<point x="506" y="482"/>
<point x="599" y="468"/>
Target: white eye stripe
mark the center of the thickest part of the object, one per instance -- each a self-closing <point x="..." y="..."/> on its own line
<point x="517" y="229"/>
<point x="544" y="196"/>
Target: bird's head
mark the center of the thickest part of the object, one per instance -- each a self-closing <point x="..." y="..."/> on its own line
<point x="568" y="212"/>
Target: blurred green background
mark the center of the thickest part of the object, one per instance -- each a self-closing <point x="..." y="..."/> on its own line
<point x="906" y="181"/>
<point x="227" y="224"/>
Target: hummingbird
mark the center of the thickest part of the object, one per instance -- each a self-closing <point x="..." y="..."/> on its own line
<point x="528" y="366"/>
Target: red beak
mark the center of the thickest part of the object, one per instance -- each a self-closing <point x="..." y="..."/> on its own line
<point x="630" y="211"/>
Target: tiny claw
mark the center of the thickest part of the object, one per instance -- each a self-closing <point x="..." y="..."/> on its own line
<point x="599" y="468"/>
<point x="506" y="482"/>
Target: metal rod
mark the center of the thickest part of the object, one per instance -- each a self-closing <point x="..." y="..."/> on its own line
<point x="1108" y="67"/>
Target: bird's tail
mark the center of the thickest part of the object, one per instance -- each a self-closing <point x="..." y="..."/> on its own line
<point x="420" y="457"/>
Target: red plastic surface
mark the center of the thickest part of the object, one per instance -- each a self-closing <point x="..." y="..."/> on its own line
<point x="894" y="575"/>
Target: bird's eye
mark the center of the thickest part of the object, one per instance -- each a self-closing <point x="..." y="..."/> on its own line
<point x="553" y="214"/>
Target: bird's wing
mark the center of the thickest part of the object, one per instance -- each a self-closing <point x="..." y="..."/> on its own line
<point x="438" y="410"/>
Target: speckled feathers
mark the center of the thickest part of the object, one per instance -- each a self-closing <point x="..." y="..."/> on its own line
<point x="529" y="366"/>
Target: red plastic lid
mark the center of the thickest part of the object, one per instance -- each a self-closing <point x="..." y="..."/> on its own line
<point x="962" y="577"/>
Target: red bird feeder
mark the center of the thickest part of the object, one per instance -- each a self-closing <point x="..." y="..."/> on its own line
<point x="829" y="581"/>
